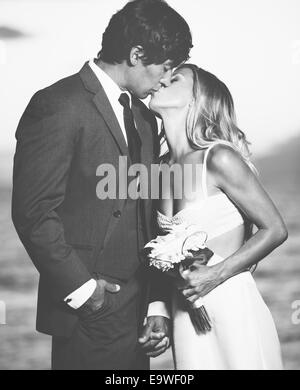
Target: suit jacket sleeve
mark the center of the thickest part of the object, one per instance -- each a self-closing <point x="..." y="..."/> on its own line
<point x="46" y="138"/>
<point x="160" y="284"/>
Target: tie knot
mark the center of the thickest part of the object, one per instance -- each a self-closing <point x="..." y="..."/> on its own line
<point x="124" y="100"/>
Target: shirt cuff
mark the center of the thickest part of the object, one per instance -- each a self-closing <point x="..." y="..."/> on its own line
<point x="81" y="295"/>
<point x="158" y="309"/>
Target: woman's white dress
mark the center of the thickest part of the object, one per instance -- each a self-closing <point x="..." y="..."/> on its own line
<point x="243" y="335"/>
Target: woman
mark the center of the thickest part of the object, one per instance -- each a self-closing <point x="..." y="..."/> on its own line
<point x="200" y="128"/>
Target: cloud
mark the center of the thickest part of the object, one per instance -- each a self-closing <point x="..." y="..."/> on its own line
<point x="10" y="33"/>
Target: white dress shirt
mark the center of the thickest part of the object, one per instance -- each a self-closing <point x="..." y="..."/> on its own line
<point x="113" y="92"/>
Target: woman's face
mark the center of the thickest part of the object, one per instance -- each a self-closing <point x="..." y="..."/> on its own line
<point x="177" y="95"/>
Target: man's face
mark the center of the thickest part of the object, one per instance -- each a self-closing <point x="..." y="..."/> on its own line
<point x="144" y="80"/>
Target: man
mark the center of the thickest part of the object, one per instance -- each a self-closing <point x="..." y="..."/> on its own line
<point x="93" y="291"/>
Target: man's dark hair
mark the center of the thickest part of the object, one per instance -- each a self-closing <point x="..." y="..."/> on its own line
<point x="152" y="24"/>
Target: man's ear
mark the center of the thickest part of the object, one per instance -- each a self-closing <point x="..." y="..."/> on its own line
<point x="136" y="55"/>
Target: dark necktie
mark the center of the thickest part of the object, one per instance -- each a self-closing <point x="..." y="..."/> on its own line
<point x="133" y="138"/>
<point x="134" y="147"/>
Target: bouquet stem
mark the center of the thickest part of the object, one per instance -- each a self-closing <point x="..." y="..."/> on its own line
<point x="200" y="318"/>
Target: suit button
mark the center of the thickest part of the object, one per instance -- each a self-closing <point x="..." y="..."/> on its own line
<point x="117" y="214"/>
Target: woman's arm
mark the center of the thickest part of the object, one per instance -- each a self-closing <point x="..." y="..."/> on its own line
<point x="241" y="185"/>
<point x="233" y="176"/>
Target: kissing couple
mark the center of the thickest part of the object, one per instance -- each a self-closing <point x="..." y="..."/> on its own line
<point x="105" y="309"/>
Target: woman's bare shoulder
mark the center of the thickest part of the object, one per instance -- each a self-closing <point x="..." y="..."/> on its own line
<point x="227" y="163"/>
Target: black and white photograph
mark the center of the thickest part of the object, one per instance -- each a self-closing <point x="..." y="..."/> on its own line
<point x="149" y="187"/>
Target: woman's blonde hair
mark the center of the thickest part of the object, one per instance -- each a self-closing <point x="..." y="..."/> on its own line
<point x="211" y="118"/>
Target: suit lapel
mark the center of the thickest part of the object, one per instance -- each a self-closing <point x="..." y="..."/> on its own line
<point x="102" y="103"/>
<point x="104" y="107"/>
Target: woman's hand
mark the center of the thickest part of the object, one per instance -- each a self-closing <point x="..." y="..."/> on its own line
<point x="199" y="281"/>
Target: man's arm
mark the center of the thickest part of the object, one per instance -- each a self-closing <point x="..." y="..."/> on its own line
<point x="159" y="299"/>
<point x="46" y="139"/>
<point x="155" y="338"/>
<point x="79" y="297"/>
<point x="158" y="308"/>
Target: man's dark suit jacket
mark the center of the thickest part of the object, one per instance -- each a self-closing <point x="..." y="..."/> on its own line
<point x="65" y="133"/>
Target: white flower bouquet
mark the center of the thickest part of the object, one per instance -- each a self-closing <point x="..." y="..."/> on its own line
<point x="181" y="247"/>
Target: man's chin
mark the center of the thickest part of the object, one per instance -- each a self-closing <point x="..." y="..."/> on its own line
<point x="143" y="95"/>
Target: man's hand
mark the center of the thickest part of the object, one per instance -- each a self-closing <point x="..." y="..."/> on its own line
<point x="95" y="302"/>
<point x="155" y="339"/>
<point x="199" y="281"/>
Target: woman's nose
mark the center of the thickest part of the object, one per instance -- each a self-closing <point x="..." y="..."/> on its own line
<point x="166" y="80"/>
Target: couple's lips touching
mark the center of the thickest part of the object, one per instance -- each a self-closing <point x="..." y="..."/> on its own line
<point x="155" y="91"/>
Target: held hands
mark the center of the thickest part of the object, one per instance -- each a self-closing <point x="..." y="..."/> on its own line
<point x="155" y="339"/>
<point x="198" y="281"/>
<point x="96" y="301"/>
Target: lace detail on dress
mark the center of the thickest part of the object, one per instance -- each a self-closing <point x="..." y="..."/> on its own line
<point x="216" y="215"/>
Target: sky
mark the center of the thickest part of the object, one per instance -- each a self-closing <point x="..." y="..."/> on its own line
<point x="251" y="45"/>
